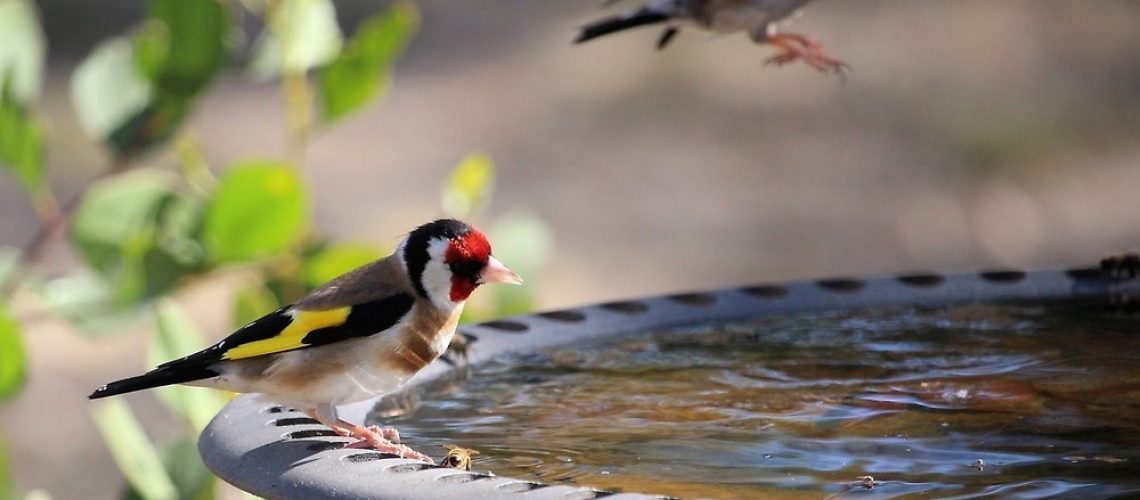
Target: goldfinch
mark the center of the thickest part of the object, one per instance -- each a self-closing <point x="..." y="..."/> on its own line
<point x="756" y="17"/>
<point x="361" y="335"/>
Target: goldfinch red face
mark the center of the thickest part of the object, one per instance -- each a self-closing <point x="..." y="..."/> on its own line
<point x="447" y="260"/>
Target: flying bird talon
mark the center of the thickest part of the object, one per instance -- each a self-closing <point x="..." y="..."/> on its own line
<point x="799" y="47"/>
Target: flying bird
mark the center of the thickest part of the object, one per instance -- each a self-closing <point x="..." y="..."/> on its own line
<point x="361" y="335"/>
<point x="756" y="17"/>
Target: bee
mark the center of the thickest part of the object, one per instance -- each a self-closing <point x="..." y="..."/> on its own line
<point x="458" y="458"/>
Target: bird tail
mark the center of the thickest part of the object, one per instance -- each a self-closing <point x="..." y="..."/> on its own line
<point x="640" y="17"/>
<point x="154" y="378"/>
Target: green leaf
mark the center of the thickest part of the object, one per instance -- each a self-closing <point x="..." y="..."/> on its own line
<point x="9" y="260"/>
<point x="132" y="94"/>
<point x="361" y="73"/>
<point x="253" y="302"/>
<point x="137" y="231"/>
<point x="337" y="259"/>
<point x="300" y="35"/>
<point x="21" y="76"/>
<point x="13" y="364"/>
<point x="260" y="207"/>
<point x="117" y="213"/>
<point x="190" y="476"/>
<point x="21" y="143"/>
<point x="185" y="45"/>
<point x="108" y="89"/>
<point x="177" y="337"/>
<point x="22" y="51"/>
<point x="469" y="185"/>
<point x="88" y="301"/>
<point x="132" y="450"/>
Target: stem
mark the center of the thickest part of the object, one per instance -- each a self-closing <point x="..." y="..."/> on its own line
<point x="51" y="228"/>
<point x="46" y="206"/>
<point x="298" y="99"/>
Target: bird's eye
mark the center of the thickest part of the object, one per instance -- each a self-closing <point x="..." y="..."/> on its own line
<point x="453" y="460"/>
<point x="465" y="268"/>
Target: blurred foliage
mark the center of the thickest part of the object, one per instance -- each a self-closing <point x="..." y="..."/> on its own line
<point x="21" y="142"/>
<point x="141" y="232"/>
<point x="133" y="92"/>
<point x="261" y="207"/>
<point x="469" y="185"/>
<point x="132" y="450"/>
<point x="335" y="259"/>
<point x="22" y="51"/>
<point x="176" y="337"/>
<point x="360" y="74"/>
<point x="136" y="231"/>
<point x="13" y="363"/>
<point x="300" y="35"/>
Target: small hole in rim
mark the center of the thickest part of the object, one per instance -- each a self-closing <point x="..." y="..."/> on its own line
<point x="506" y="326"/>
<point x="694" y="299"/>
<point x="312" y="433"/>
<point x="462" y="477"/>
<point x="319" y="446"/>
<point x="587" y="494"/>
<point x="371" y="456"/>
<point x="275" y="409"/>
<point x="845" y="285"/>
<point x="626" y="307"/>
<point x="766" y="291"/>
<point x="285" y="422"/>
<point x="1003" y="276"/>
<point x="402" y="468"/>
<point x="1086" y="273"/>
<point x="921" y="279"/>
<point x="520" y="487"/>
<point x="564" y="316"/>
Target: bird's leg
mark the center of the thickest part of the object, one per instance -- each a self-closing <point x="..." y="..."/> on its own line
<point x="382" y="439"/>
<point x="795" y="46"/>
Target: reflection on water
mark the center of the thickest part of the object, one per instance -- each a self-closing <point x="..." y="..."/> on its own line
<point x="1020" y="401"/>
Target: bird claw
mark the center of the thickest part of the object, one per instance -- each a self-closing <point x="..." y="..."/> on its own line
<point x="385" y="446"/>
<point x="810" y="51"/>
<point x="388" y="433"/>
<point x="384" y="440"/>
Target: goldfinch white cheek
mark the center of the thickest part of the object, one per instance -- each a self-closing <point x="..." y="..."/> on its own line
<point x="437" y="277"/>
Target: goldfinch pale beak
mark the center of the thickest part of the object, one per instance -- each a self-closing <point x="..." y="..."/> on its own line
<point x="496" y="272"/>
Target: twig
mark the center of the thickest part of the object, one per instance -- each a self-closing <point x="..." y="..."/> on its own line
<point x="51" y="227"/>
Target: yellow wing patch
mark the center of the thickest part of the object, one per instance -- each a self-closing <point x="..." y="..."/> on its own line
<point x="303" y="323"/>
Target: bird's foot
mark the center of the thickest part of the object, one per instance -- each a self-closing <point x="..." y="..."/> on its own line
<point x="384" y="440"/>
<point x="800" y="47"/>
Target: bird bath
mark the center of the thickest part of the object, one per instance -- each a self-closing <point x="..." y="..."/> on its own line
<point x="999" y="383"/>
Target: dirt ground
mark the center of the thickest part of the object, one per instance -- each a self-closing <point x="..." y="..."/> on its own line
<point x="971" y="134"/>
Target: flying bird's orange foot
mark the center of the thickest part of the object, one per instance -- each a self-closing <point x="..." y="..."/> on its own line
<point x="809" y="50"/>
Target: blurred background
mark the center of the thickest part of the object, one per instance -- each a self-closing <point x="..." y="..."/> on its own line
<point x="971" y="134"/>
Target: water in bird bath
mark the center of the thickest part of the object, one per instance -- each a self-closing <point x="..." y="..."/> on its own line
<point x="998" y="400"/>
